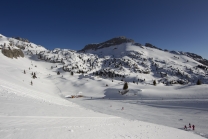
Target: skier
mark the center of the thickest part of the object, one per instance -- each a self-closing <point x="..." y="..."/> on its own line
<point x="185" y="127"/>
<point x="31" y="83"/>
<point x="189" y="125"/>
<point x="193" y="126"/>
<point x="122" y="108"/>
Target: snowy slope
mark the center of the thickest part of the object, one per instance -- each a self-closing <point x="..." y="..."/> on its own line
<point x="43" y="110"/>
<point x="24" y="117"/>
<point x="157" y="62"/>
<point x="134" y="63"/>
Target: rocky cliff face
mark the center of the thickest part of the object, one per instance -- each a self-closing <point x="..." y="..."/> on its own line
<point x="15" y="53"/>
<point x="111" y="42"/>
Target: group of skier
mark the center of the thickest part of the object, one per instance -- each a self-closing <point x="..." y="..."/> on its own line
<point x="193" y="127"/>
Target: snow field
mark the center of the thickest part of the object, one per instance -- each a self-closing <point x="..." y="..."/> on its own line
<point x="25" y="117"/>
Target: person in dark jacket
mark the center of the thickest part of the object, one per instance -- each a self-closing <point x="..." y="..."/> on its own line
<point x="189" y="125"/>
<point x="185" y="127"/>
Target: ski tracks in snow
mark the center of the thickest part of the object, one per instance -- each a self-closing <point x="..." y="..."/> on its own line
<point x="24" y="92"/>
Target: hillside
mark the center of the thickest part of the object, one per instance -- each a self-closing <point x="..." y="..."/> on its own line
<point x="45" y="109"/>
<point x="129" y="62"/>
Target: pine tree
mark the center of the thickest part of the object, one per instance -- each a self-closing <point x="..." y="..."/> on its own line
<point x="125" y="86"/>
<point x="34" y="75"/>
<point x="198" y="82"/>
<point x="154" y="83"/>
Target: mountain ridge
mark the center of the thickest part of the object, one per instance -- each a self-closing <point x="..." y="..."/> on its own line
<point x="122" y="59"/>
<point x="122" y="39"/>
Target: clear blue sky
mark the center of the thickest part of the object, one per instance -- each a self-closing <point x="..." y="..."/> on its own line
<point x="169" y="24"/>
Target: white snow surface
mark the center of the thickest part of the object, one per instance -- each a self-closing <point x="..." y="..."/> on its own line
<point x="45" y="110"/>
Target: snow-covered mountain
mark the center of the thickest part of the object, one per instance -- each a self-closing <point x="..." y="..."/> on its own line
<point x="19" y="43"/>
<point x="42" y="107"/>
<point x="122" y="59"/>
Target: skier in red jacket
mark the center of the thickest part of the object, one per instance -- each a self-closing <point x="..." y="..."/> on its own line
<point x="193" y="126"/>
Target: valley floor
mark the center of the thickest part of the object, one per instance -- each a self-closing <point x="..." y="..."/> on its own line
<point x="27" y="114"/>
<point x="171" y="112"/>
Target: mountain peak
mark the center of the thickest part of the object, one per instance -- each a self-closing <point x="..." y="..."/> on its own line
<point x="108" y="43"/>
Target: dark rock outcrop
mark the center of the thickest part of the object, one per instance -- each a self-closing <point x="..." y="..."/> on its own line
<point x="138" y="44"/>
<point x="197" y="58"/>
<point x="15" y="53"/>
<point x="21" y="47"/>
<point x="192" y="55"/>
<point x="203" y="61"/>
<point x="22" y="39"/>
<point x="152" y="46"/>
<point x="111" y="42"/>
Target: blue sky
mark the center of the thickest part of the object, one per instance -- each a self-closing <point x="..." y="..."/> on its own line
<point x="168" y="24"/>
